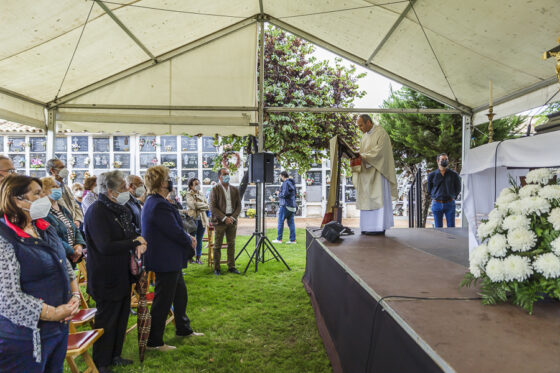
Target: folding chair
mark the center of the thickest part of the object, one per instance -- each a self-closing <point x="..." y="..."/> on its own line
<point x="78" y="345"/>
<point x="84" y="316"/>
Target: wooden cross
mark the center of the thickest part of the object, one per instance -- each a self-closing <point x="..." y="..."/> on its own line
<point x="554" y="52"/>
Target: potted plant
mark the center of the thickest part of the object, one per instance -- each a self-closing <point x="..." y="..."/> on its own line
<point x="251" y="213"/>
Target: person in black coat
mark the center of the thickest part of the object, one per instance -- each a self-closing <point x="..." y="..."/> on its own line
<point x="111" y="239"/>
<point x="169" y="250"/>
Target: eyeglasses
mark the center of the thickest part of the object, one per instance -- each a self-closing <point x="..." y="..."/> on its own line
<point x="9" y="170"/>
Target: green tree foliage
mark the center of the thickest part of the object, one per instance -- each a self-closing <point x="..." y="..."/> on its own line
<point x="418" y="138"/>
<point x="422" y="137"/>
<point x="294" y="78"/>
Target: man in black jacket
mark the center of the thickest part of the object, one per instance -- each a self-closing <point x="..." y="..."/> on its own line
<point x="444" y="185"/>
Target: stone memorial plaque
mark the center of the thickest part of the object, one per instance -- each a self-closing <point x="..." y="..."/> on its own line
<point x="147" y="144"/>
<point x="208" y="160"/>
<point x="16" y="144"/>
<point x="121" y="143"/>
<point x="148" y="160"/>
<point x="169" y="160"/>
<point x="60" y="144"/>
<point x="189" y="144"/>
<point x="121" y="161"/>
<point x="208" y="144"/>
<point x="38" y="144"/>
<point x="190" y="160"/>
<point x="79" y="144"/>
<point x="101" y="144"/>
<point x="314" y="193"/>
<point x="168" y="144"/>
<point x="350" y="194"/>
<point x="101" y="160"/>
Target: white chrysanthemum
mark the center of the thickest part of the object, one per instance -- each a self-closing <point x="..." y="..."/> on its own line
<point x="479" y="256"/>
<point x="548" y="265"/>
<point x="521" y="239"/>
<point x="555" y="245"/>
<point x="516" y="221"/>
<point x="475" y="270"/>
<point x="497" y="245"/>
<point x="550" y="192"/>
<point x="506" y="196"/>
<point x="496" y="214"/>
<point x="554" y="218"/>
<point x="516" y="267"/>
<point x="534" y="205"/>
<point x="487" y="229"/>
<point x="538" y="176"/>
<point x="529" y="190"/>
<point x="495" y="270"/>
<point x="514" y="207"/>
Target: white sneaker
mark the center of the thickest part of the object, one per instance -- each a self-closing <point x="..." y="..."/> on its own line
<point x="276" y="241"/>
<point x="291" y="242"/>
<point x="195" y="334"/>
<point x="162" y="348"/>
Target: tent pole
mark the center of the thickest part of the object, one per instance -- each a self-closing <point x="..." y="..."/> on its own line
<point x="260" y="186"/>
<point x="51" y="132"/>
<point x="467" y="128"/>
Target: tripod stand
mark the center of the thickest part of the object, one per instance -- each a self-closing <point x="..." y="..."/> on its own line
<point x="262" y="243"/>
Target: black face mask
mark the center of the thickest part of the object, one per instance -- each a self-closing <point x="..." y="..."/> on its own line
<point x="170" y="184"/>
<point x="444" y="163"/>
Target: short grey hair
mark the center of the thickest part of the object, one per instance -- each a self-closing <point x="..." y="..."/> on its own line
<point x="130" y="179"/>
<point x="110" y="180"/>
<point x="50" y="163"/>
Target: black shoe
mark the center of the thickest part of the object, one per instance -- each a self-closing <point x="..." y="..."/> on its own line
<point x="105" y="370"/>
<point x="217" y="272"/>
<point x="120" y="362"/>
<point x="234" y="270"/>
<point x="382" y="233"/>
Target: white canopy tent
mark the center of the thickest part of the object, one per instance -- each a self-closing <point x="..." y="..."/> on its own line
<point x="171" y="66"/>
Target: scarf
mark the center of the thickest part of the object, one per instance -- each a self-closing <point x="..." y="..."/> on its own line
<point x="123" y="214"/>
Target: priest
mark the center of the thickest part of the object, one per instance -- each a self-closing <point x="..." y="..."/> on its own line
<point x="374" y="178"/>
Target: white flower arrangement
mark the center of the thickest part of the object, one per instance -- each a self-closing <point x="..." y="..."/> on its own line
<point x="539" y="176"/>
<point x="518" y="259"/>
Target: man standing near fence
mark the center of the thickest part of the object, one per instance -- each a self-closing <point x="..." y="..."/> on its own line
<point x="444" y="185"/>
<point x="374" y="178"/>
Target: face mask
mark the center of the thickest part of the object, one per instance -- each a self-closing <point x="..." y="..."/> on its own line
<point x="78" y="193"/>
<point x="197" y="188"/>
<point x="170" y="184"/>
<point x="123" y="198"/>
<point x="444" y="163"/>
<point x="39" y="208"/>
<point x="140" y="191"/>
<point x="56" y="193"/>
<point x="226" y="179"/>
<point x="63" y="173"/>
<point x="96" y="189"/>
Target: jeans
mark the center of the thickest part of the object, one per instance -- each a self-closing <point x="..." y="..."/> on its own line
<point x="448" y="209"/>
<point x="284" y="214"/>
<point x="17" y="355"/>
<point x="199" y="235"/>
<point x="170" y="290"/>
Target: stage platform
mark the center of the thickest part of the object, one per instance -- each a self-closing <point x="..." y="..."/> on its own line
<point x="346" y="280"/>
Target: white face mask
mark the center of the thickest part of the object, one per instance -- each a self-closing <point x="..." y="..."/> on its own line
<point x="197" y="188"/>
<point x="140" y="191"/>
<point x="96" y="189"/>
<point x="63" y="173"/>
<point x="78" y="194"/>
<point x="123" y="198"/>
<point x="39" y="208"/>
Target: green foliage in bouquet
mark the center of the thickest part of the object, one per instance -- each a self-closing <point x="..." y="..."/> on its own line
<point x="519" y="258"/>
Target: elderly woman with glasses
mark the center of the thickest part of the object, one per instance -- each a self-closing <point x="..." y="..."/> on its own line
<point x="38" y="288"/>
<point x="111" y="240"/>
<point x="61" y="220"/>
<point x="169" y="250"/>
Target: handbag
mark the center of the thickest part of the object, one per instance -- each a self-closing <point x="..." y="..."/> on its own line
<point x="136" y="264"/>
<point x="189" y="224"/>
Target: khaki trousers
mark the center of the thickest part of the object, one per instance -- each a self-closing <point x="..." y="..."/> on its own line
<point x="230" y="231"/>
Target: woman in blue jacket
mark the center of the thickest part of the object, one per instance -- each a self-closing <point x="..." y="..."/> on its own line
<point x="38" y="289"/>
<point x="61" y="220"/>
<point x="169" y="250"/>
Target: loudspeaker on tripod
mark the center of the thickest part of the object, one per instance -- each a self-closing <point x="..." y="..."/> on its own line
<point x="261" y="168"/>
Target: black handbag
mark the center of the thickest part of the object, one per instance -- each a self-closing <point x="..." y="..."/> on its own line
<point x="333" y="230"/>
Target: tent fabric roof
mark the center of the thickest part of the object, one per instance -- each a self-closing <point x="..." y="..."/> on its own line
<point x="173" y="52"/>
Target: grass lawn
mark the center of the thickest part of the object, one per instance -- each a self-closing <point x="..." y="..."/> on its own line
<point x="260" y="322"/>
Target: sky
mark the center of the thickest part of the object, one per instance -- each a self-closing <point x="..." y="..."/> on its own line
<point x="376" y="86"/>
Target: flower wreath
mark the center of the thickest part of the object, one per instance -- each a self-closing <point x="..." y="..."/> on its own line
<point x="226" y="160"/>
